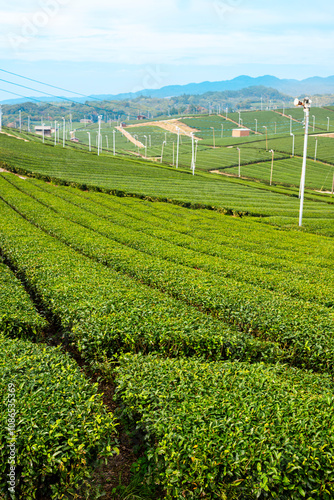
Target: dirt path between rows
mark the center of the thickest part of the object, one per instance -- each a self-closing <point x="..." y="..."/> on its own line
<point x="8" y="172"/>
<point x="11" y="135"/>
<point x="130" y="137"/>
<point x="331" y="134"/>
<point x="170" y="126"/>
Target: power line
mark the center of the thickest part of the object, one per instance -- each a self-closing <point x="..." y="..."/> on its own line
<point x="48" y="84"/>
<point x="51" y="95"/>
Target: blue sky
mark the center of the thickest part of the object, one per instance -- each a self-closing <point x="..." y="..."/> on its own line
<point x="104" y="46"/>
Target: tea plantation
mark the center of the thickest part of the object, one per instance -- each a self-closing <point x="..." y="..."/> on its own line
<point x="195" y="297"/>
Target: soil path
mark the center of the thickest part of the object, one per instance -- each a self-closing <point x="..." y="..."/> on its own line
<point x="11" y="135"/>
<point x="130" y="137"/>
<point x="170" y="126"/>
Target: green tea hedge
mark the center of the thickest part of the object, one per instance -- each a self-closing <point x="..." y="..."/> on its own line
<point x="303" y="330"/>
<point x="18" y="316"/>
<point x="61" y="426"/>
<point x="226" y="430"/>
<point x="104" y="312"/>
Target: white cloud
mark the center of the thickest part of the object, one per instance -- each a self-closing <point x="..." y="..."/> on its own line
<point x="222" y="32"/>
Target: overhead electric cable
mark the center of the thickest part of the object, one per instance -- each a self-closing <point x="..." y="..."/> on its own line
<point x="48" y="94"/>
<point x="49" y="85"/>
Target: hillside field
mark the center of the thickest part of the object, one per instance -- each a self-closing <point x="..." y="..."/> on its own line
<point x="195" y="301"/>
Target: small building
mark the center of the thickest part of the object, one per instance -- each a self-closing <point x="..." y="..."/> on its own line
<point x="48" y="131"/>
<point x="240" y="132"/>
<point x="85" y="120"/>
<point x="74" y="139"/>
<point x="141" y="117"/>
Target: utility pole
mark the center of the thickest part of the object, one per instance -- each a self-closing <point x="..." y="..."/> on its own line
<point x="162" y="151"/>
<point x="239" y="160"/>
<point x="99" y="136"/>
<point x="90" y="147"/>
<point x="146" y="146"/>
<point x="177" y="146"/>
<point x="293" y="145"/>
<point x="192" y="153"/>
<point x="213" y="131"/>
<point x="316" y="149"/>
<point x="255" y="125"/>
<point x="306" y="103"/>
<point x="55" y="133"/>
<point x="20" y="113"/>
<point x="114" y="141"/>
<point x="272" y="165"/>
<point x="64" y="130"/>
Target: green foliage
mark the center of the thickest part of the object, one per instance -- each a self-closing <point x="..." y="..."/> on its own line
<point x="230" y="430"/>
<point x="18" y="316"/>
<point x="103" y="312"/>
<point x="303" y="330"/>
<point x="62" y="428"/>
<point x="133" y="177"/>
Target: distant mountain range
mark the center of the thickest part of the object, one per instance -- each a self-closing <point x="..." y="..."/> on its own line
<point x="295" y="88"/>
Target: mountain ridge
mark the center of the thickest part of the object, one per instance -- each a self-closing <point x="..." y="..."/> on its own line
<point x="312" y="85"/>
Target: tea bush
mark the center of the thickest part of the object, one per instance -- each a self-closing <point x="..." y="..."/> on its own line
<point x="228" y="430"/>
<point x="61" y="428"/>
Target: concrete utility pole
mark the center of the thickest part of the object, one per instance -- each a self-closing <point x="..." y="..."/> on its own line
<point x="99" y="136"/>
<point x="239" y="160"/>
<point x="177" y="146"/>
<point x="145" y="146"/>
<point x="316" y="149"/>
<point x="64" y="130"/>
<point x="255" y="124"/>
<point x="114" y="141"/>
<point x="20" y="120"/>
<point x="293" y="145"/>
<point x="192" y="153"/>
<point x="162" y="151"/>
<point x="272" y="165"/>
<point x="306" y="103"/>
<point x="89" y="143"/>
